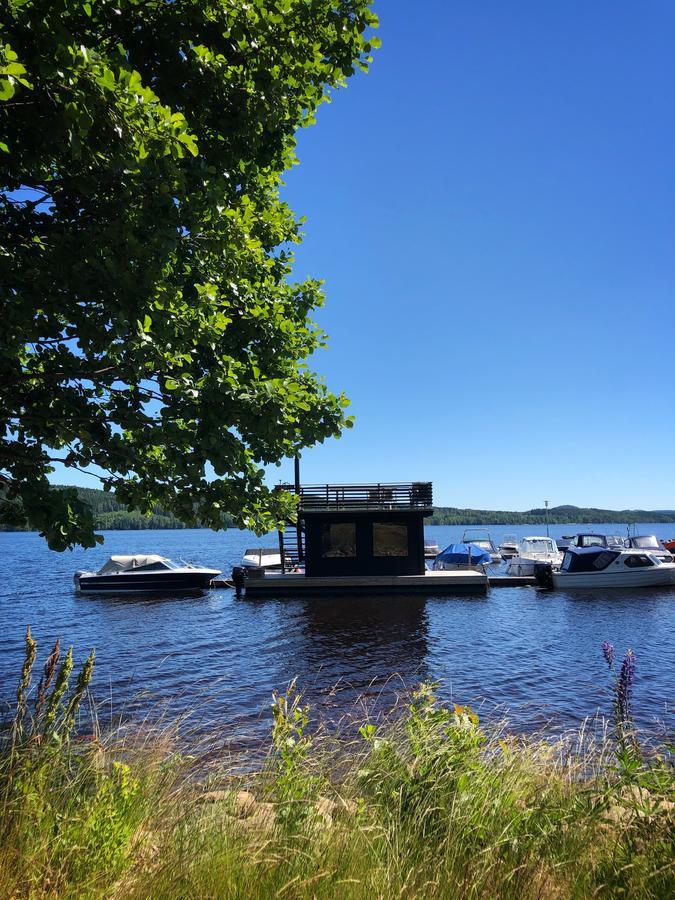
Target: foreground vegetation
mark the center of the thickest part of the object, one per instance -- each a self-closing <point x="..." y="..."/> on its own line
<point x="426" y="803"/>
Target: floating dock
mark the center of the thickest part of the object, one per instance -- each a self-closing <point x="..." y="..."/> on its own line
<point x="444" y="582"/>
<point x="449" y="582"/>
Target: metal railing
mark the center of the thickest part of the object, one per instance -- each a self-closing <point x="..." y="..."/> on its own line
<point x="408" y="495"/>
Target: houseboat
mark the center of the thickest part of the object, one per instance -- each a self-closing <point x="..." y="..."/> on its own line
<point x="356" y="538"/>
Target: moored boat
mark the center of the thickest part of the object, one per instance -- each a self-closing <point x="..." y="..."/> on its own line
<point x="462" y="556"/>
<point x="431" y="548"/>
<point x="148" y="573"/>
<point x="651" y="544"/>
<point x="262" y="558"/>
<point x="533" y="550"/>
<point x="600" y="567"/>
<point x="479" y="537"/>
<point x="508" y="546"/>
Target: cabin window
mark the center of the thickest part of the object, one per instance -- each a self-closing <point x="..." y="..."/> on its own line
<point x="338" y="539"/>
<point x="602" y="560"/>
<point x="390" y="539"/>
<point x="638" y="561"/>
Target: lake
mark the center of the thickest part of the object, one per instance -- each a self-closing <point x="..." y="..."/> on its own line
<point x="532" y="655"/>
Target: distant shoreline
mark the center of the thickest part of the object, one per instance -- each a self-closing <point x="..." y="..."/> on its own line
<point x="111" y="515"/>
<point x="433" y="521"/>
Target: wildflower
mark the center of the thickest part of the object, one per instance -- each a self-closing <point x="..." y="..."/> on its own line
<point x="624" y="686"/>
<point x="608" y="653"/>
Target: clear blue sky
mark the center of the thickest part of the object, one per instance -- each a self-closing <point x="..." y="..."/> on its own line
<point x="493" y="210"/>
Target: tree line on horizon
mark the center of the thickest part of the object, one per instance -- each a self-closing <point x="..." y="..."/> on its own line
<point x="557" y="515"/>
<point x="110" y="514"/>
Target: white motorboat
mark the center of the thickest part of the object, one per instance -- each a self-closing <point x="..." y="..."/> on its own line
<point x="431" y="548"/>
<point x="533" y="550"/>
<point x="648" y="543"/>
<point x="508" y="546"/>
<point x="262" y="558"/>
<point x="147" y="573"/>
<point x="481" y="538"/>
<point x="600" y="567"/>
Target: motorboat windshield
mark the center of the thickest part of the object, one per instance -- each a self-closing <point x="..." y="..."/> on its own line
<point x="479" y="537"/>
<point x="537" y="545"/>
<point x="646" y="542"/>
<point x="150" y="562"/>
<point x="597" y="540"/>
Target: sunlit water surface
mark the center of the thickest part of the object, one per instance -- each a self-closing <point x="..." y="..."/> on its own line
<point x="532" y="655"/>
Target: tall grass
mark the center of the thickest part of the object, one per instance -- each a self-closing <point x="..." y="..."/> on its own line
<point x="425" y="803"/>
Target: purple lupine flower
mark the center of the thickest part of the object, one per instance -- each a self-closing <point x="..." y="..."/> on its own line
<point x="608" y="653"/>
<point x="624" y="686"/>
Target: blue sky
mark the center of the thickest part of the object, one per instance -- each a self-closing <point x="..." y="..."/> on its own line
<point x="492" y="208"/>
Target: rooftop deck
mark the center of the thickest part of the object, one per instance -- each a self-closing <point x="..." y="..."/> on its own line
<point x="411" y="495"/>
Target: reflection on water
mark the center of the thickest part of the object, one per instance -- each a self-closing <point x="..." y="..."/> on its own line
<point x="534" y="654"/>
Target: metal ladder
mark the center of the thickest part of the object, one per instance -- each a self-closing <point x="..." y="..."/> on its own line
<point x="291" y="551"/>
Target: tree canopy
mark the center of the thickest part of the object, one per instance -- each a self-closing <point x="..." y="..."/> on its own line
<point x="151" y="327"/>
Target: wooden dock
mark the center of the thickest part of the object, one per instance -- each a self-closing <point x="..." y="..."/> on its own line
<point x="443" y="582"/>
<point x="449" y="582"/>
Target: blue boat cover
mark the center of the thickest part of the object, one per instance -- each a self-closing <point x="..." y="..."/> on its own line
<point x="458" y="555"/>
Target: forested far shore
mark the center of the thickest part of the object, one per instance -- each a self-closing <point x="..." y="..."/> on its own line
<point x="111" y="515"/>
<point x="557" y="515"/>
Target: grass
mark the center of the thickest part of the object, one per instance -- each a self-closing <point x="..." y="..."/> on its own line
<point x="426" y="803"/>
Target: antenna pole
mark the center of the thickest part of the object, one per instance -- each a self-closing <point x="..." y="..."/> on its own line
<point x="546" y="505"/>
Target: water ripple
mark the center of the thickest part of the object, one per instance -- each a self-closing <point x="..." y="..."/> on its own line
<point x="533" y="655"/>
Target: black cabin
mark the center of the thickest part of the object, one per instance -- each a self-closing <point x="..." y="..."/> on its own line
<point x="358" y="529"/>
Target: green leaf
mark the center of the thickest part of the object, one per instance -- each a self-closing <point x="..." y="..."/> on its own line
<point x="172" y="341"/>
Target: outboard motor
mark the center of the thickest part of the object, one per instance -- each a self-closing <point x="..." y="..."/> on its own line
<point x="238" y="579"/>
<point x="543" y="575"/>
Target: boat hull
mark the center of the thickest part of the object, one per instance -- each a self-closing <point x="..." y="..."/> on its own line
<point x="146" y="582"/>
<point x="524" y="565"/>
<point x="659" y="576"/>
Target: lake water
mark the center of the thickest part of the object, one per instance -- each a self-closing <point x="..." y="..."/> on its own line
<point x="535" y="656"/>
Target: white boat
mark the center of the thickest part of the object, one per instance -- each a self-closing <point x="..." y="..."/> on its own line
<point x="147" y="573"/>
<point x="648" y="543"/>
<point x="431" y="548"/>
<point x="481" y="538"/>
<point x="599" y="567"/>
<point x="533" y="550"/>
<point x="262" y="558"/>
<point x="508" y="546"/>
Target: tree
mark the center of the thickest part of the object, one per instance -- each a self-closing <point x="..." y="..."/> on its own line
<point x="150" y="326"/>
